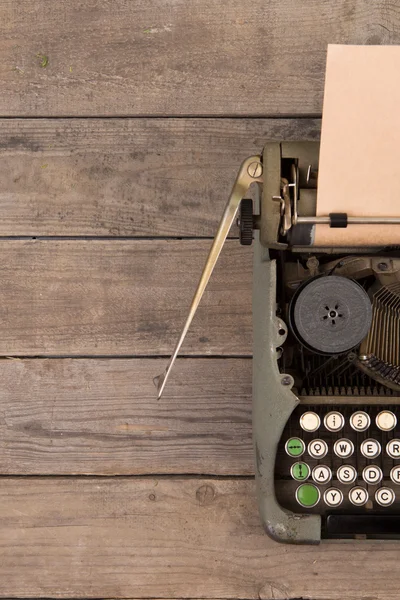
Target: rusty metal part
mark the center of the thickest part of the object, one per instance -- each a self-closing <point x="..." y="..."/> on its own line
<point x="385" y="269"/>
<point x="379" y="354"/>
<point x="286" y="222"/>
<point x="294" y="173"/>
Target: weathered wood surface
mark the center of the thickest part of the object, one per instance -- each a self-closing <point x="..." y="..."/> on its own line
<point x="126" y="177"/>
<point x="101" y="417"/>
<point x="249" y="57"/>
<point x="125" y="297"/>
<point x="156" y="536"/>
<point x="169" y="538"/>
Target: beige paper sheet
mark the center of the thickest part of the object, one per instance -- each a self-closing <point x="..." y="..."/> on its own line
<point x="359" y="169"/>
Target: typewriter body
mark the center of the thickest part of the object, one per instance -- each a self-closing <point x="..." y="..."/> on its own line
<point x="326" y="359"/>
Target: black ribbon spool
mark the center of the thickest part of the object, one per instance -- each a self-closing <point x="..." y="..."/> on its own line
<point x="330" y="314"/>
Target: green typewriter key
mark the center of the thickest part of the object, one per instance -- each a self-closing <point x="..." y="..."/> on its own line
<point x="295" y="447"/>
<point x="307" y="495"/>
<point x="300" y="471"/>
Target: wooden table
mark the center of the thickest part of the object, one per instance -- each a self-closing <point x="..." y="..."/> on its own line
<point x="123" y="127"/>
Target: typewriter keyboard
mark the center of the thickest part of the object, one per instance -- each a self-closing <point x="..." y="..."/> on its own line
<point x="340" y="459"/>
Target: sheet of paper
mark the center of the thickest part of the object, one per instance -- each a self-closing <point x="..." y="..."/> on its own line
<point x="359" y="168"/>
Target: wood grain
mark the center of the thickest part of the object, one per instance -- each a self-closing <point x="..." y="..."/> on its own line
<point x="242" y="57"/>
<point x="101" y="417"/>
<point x="126" y="177"/>
<point x="169" y="538"/>
<point x="98" y="298"/>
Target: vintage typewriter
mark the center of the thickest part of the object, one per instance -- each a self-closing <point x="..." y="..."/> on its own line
<point x="326" y="361"/>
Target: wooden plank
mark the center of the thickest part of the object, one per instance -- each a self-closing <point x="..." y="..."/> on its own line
<point x="101" y="417"/>
<point x="169" y="538"/>
<point x="126" y="177"/>
<point x="243" y="57"/>
<point x="93" y="297"/>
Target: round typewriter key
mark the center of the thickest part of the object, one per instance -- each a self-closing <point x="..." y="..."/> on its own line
<point x="393" y="448"/>
<point x="395" y="474"/>
<point x="321" y="474"/>
<point x="358" y="496"/>
<point x="360" y="420"/>
<point x="372" y="474"/>
<point x="317" y="448"/>
<point x="370" y="448"/>
<point x="333" y="497"/>
<point x="334" y="421"/>
<point x="385" y="496"/>
<point x="310" y="421"/>
<point x="307" y="495"/>
<point x="386" y="420"/>
<point x="343" y="448"/>
<point x="346" y="474"/>
<point x="300" y="471"/>
<point x="295" y="447"/>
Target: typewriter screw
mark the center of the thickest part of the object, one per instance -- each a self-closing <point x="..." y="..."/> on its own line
<point x="313" y="265"/>
<point x="383" y="266"/>
<point x="255" y="169"/>
<point x="286" y="380"/>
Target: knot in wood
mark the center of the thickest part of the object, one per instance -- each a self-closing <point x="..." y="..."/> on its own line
<point x="205" y="494"/>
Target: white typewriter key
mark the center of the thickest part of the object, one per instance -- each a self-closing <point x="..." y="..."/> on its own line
<point x="372" y="474"/>
<point x="333" y="497"/>
<point x="321" y="474"/>
<point x="393" y="448"/>
<point x="386" y="420"/>
<point x="385" y="496"/>
<point x="370" y="448"/>
<point x="310" y="421"/>
<point x="358" y="496"/>
<point x="334" y="421"/>
<point x="346" y="474"/>
<point x="317" y="448"/>
<point x="360" y="420"/>
<point x="343" y="448"/>
<point x="395" y="474"/>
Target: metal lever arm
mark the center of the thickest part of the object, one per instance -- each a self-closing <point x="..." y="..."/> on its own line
<point x="250" y="172"/>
